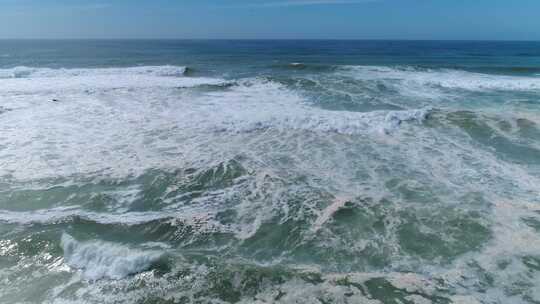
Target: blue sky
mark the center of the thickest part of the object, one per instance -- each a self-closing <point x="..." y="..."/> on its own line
<point x="270" y="19"/>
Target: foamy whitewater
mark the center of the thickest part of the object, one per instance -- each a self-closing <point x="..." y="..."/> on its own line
<point x="99" y="260"/>
<point x="182" y="172"/>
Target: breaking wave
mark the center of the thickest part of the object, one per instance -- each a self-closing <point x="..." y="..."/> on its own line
<point x="88" y="119"/>
<point x="98" y="260"/>
<point x="34" y="72"/>
<point x="444" y="78"/>
<point x="57" y="81"/>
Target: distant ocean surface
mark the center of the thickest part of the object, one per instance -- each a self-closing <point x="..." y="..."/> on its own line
<point x="312" y="171"/>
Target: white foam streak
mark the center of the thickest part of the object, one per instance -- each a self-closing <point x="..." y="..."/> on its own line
<point x="66" y="214"/>
<point x="56" y="81"/>
<point x="89" y="84"/>
<point x="99" y="260"/>
<point x="32" y="72"/>
<point x="326" y="214"/>
<point x="418" y="81"/>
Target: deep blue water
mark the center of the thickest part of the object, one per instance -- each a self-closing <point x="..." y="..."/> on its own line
<point x="247" y="56"/>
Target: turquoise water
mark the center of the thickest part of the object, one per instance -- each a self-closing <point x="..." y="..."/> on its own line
<point x="269" y="172"/>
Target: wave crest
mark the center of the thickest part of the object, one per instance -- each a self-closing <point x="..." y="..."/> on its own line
<point x="99" y="260"/>
<point x="410" y="77"/>
<point x="35" y="72"/>
<point x="38" y="80"/>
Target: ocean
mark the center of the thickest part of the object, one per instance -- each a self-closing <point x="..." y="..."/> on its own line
<point x="245" y="171"/>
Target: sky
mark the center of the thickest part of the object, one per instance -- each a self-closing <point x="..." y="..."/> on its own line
<point x="272" y="19"/>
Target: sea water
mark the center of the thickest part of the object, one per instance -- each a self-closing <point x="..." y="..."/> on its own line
<point x="269" y="171"/>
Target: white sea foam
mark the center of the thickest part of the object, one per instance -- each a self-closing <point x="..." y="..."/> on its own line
<point x="63" y="214"/>
<point x="33" y="72"/>
<point x="326" y="121"/>
<point x="104" y="260"/>
<point x="188" y="216"/>
<point x="417" y="81"/>
<point x="91" y="129"/>
<point x="90" y="83"/>
<point x="296" y="65"/>
<point x="326" y="214"/>
<point x="201" y="221"/>
<point x="57" y="81"/>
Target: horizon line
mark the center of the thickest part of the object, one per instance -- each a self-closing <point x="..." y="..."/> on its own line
<point x="271" y="39"/>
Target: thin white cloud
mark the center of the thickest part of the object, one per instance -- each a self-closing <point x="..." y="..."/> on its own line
<point x="307" y="2"/>
<point x="32" y="8"/>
